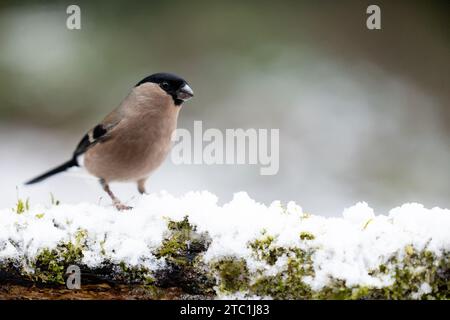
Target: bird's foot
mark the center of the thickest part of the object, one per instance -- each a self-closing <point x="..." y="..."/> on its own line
<point x="121" y="207"/>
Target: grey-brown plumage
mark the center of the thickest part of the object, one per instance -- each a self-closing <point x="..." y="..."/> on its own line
<point x="135" y="138"/>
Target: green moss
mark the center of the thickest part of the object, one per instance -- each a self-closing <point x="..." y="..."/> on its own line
<point x="182" y="249"/>
<point x="288" y="283"/>
<point x="182" y="225"/>
<point x="409" y="273"/>
<point x="263" y="249"/>
<point x="416" y="268"/>
<point x="50" y="265"/>
<point x="338" y="290"/>
<point x="80" y="237"/>
<point x="306" y="236"/>
<point x="154" y="291"/>
<point x="409" y="269"/>
<point x="232" y="274"/>
<point x="181" y="242"/>
<point x="382" y="268"/>
<point x="22" y="206"/>
<point x="134" y="274"/>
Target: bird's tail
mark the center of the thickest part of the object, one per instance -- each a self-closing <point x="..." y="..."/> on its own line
<point x="66" y="165"/>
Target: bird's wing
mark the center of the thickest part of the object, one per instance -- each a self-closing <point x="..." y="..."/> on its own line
<point x="98" y="134"/>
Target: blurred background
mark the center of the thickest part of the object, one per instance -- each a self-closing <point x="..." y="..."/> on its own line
<point x="363" y="115"/>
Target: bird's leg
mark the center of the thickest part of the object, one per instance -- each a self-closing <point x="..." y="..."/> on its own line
<point x="119" y="205"/>
<point x="141" y="186"/>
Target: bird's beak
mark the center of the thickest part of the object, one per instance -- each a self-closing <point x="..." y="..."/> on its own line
<point x="185" y="93"/>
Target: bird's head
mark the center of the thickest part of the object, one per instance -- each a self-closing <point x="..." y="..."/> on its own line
<point x="172" y="84"/>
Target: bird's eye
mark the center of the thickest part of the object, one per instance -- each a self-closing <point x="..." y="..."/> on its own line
<point x="165" y="85"/>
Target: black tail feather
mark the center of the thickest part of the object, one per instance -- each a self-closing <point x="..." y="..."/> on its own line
<point x="66" y="165"/>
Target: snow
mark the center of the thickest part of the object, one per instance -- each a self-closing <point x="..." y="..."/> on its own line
<point x="346" y="247"/>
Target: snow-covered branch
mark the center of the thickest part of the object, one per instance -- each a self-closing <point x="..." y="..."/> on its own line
<point x="241" y="249"/>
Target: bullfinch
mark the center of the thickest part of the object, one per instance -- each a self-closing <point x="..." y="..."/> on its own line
<point x="134" y="139"/>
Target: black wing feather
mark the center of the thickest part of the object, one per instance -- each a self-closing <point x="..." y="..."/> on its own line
<point x="90" y="139"/>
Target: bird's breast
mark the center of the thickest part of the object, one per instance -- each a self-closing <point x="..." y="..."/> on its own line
<point x="136" y="148"/>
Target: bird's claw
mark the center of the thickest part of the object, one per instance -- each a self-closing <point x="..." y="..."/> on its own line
<point x="122" y="207"/>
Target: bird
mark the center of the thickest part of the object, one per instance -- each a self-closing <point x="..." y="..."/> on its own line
<point x="133" y="140"/>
